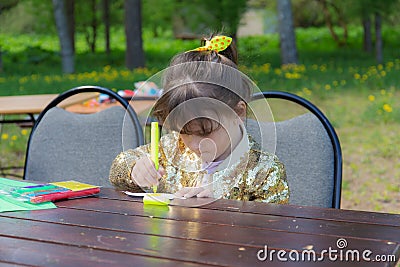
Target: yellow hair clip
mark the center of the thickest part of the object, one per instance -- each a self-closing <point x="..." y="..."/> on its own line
<point x="217" y="43"/>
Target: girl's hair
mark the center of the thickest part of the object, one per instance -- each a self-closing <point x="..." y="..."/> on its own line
<point x="201" y="74"/>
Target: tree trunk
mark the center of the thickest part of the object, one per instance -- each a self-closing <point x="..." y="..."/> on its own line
<point x="106" y="19"/>
<point x="94" y="27"/>
<point x="67" y="54"/>
<point x="367" y="41"/>
<point x="329" y="23"/>
<point x="378" y="38"/>
<point x="1" y="62"/>
<point x="70" y="11"/>
<point x="286" y="33"/>
<point x="134" y="55"/>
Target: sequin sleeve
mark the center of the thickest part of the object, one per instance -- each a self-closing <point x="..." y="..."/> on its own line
<point x="270" y="184"/>
<point x="121" y="167"/>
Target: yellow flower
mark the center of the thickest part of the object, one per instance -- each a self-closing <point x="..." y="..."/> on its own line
<point x="357" y="76"/>
<point x="387" y="108"/>
<point x="295" y="75"/>
<point x="327" y="87"/>
<point x="307" y="91"/>
<point x="23" y="80"/>
<point x="24" y="131"/>
<point x="14" y="137"/>
<point x="371" y="98"/>
<point x="266" y="67"/>
<point x="4" y="136"/>
<point x="383" y="92"/>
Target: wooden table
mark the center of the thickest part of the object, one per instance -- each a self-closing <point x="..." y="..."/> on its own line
<point x="116" y="230"/>
<point x="139" y="105"/>
<point x="34" y="104"/>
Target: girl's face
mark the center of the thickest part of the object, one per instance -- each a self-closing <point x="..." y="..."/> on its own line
<point x="214" y="146"/>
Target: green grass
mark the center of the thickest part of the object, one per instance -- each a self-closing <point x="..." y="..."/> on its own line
<point x="34" y="60"/>
<point x="358" y="96"/>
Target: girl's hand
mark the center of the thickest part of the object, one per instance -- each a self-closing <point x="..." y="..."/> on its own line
<point x="144" y="173"/>
<point x="188" y="192"/>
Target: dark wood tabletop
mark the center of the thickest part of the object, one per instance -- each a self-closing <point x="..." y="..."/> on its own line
<point x="117" y="230"/>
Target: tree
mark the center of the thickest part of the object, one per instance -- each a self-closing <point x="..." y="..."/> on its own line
<point x="106" y="19"/>
<point x="367" y="36"/>
<point x="67" y="53"/>
<point x="158" y="20"/>
<point x="328" y="7"/>
<point x="378" y="38"/>
<point x="286" y="33"/>
<point x="366" y="10"/>
<point x="5" y="5"/>
<point x="70" y="11"/>
<point x="134" y="55"/>
<point x="381" y="9"/>
<point x="201" y="15"/>
<point x="89" y="22"/>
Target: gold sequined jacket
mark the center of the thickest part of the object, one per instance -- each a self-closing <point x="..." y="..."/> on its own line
<point x="252" y="175"/>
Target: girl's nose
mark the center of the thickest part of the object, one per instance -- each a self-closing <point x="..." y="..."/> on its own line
<point x="194" y="142"/>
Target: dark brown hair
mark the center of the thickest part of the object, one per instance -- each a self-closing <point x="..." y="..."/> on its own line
<point x="201" y="75"/>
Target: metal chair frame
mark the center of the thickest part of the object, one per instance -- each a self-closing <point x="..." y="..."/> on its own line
<point x="338" y="161"/>
<point x="88" y="89"/>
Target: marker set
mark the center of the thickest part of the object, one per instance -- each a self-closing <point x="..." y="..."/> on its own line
<point x="53" y="191"/>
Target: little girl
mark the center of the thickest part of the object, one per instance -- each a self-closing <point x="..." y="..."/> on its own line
<point x="208" y="152"/>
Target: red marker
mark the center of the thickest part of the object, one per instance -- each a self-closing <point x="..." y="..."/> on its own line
<point x="64" y="195"/>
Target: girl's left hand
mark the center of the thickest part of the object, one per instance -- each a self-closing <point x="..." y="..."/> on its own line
<point x="187" y="192"/>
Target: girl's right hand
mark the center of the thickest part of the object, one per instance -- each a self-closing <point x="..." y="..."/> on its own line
<point x="144" y="173"/>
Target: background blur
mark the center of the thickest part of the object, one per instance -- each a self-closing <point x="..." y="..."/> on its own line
<point x="343" y="55"/>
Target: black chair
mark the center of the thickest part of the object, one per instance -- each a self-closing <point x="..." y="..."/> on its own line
<point x="70" y="146"/>
<point x="309" y="148"/>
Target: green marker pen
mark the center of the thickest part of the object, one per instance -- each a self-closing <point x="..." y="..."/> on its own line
<point x="155" y="136"/>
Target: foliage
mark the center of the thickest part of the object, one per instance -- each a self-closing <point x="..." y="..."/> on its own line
<point x="307" y="13"/>
<point x="28" y="16"/>
<point x="158" y="20"/>
<point x="37" y="55"/>
<point x="209" y="15"/>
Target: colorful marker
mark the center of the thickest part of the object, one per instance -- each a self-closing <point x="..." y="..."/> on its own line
<point x="34" y="189"/>
<point x="64" y="195"/>
<point x="155" y="136"/>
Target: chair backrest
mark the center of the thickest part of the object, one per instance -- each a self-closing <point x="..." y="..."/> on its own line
<point x="69" y="146"/>
<point x="310" y="150"/>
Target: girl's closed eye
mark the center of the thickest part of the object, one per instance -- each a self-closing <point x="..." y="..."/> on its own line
<point x="198" y="134"/>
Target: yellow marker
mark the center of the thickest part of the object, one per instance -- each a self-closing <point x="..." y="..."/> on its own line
<point x="156" y="199"/>
<point x="155" y="136"/>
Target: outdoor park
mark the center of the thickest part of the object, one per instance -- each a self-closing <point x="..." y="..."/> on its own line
<point x="355" y="86"/>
